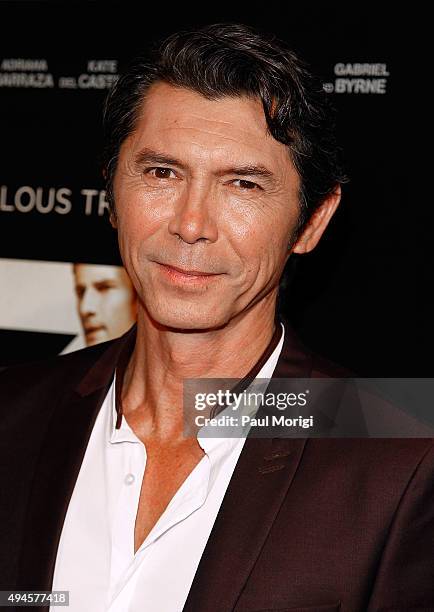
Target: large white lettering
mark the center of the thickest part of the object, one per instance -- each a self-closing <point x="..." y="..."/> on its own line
<point x="27" y="198"/>
<point x="360" y="86"/>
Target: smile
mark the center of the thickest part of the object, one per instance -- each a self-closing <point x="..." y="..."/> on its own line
<point x="186" y="276"/>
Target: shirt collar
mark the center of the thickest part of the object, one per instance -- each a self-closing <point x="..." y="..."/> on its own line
<point x="264" y="372"/>
<point x="124" y="433"/>
<point x="120" y="431"/>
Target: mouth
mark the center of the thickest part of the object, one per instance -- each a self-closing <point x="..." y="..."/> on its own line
<point x="190" y="276"/>
<point x="93" y="329"/>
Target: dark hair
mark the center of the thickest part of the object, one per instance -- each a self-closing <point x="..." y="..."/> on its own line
<point x="234" y="60"/>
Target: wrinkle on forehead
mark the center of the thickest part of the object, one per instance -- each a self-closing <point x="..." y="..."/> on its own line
<point x="249" y="129"/>
<point x="204" y="118"/>
<point x="166" y="106"/>
<point x="208" y="140"/>
<point x="205" y="145"/>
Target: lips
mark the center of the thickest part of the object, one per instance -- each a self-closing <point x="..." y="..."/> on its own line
<point x="92" y="329"/>
<point x="187" y="279"/>
<point x="189" y="272"/>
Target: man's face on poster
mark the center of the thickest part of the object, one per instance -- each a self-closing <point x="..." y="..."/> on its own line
<point x="106" y="301"/>
<point x="206" y="204"/>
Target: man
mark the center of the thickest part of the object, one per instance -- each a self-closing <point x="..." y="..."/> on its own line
<point x="220" y="164"/>
<point x="106" y="301"/>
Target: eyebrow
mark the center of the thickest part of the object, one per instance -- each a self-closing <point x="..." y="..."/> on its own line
<point x="149" y="156"/>
<point x="250" y="170"/>
<point x="96" y="283"/>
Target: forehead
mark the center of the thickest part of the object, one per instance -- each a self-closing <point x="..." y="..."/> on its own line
<point x="88" y="274"/>
<point x="235" y="128"/>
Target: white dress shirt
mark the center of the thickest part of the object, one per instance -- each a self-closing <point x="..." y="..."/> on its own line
<point x="96" y="562"/>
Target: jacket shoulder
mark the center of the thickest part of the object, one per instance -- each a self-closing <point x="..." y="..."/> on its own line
<point x="297" y="359"/>
<point x="60" y="370"/>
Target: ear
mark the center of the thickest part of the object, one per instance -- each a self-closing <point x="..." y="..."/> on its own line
<point x="318" y="222"/>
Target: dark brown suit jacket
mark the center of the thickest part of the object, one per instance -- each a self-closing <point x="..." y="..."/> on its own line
<point x="305" y="525"/>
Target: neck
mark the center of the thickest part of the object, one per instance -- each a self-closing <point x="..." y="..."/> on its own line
<point x="152" y="389"/>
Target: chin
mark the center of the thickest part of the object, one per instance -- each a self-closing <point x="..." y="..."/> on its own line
<point x="189" y="317"/>
<point x="97" y="338"/>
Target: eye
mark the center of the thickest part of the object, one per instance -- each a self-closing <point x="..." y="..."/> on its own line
<point x="248" y="185"/>
<point x="160" y="172"/>
<point x="102" y="287"/>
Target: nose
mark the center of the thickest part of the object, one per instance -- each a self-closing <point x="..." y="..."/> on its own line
<point x="194" y="215"/>
<point x="88" y="302"/>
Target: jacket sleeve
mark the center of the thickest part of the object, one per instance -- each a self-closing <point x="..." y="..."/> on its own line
<point x="404" y="580"/>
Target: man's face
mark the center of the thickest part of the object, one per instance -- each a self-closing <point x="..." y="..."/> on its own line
<point x="202" y="187"/>
<point x="106" y="301"/>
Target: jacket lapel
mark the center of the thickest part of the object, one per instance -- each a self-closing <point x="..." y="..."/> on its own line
<point x="258" y="486"/>
<point x="58" y="465"/>
<point x="261" y="479"/>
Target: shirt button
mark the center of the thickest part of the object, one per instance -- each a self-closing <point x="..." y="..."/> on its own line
<point x="129" y="479"/>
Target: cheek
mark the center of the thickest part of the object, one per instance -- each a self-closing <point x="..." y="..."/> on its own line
<point x="259" y="240"/>
<point x="135" y="227"/>
<point x="142" y="207"/>
<point x="121" y="299"/>
<point x="264" y="220"/>
<point x="136" y="222"/>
